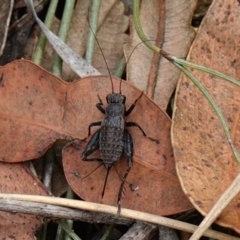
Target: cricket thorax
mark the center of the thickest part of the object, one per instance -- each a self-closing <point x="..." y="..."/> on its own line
<point x="115" y="110"/>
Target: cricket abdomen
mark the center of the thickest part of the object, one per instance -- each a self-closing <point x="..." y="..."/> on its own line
<point x="110" y="144"/>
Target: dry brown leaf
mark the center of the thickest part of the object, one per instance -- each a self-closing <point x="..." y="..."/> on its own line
<point x="77" y="35"/>
<point x="111" y="37"/>
<point x="148" y="190"/>
<point x="113" y="23"/>
<point x="31" y="43"/>
<point x="178" y="35"/>
<point x="49" y="52"/>
<point x="37" y="108"/>
<point x="15" y="178"/>
<point x="204" y="159"/>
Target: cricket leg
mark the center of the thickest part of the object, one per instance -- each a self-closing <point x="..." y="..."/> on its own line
<point x="91" y="147"/>
<point x="134" y="124"/>
<point x="92" y="125"/>
<point x="127" y="112"/>
<point x="128" y="150"/>
<point x="101" y="109"/>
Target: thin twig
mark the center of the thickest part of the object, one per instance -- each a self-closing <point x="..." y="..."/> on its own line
<point x="132" y="214"/>
<point x="218" y="207"/>
<point x="58" y="212"/>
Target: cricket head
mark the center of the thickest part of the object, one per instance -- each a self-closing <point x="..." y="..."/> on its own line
<point x="116" y="98"/>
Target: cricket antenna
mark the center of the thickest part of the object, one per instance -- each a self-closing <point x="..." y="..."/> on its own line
<point x="102" y="56"/>
<point x="92" y="171"/>
<point x="135" y="48"/>
<point x="105" y="182"/>
<point x="120" y="84"/>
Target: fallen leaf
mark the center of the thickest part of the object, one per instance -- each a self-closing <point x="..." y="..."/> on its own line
<point x="80" y="26"/>
<point x="204" y="160"/>
<point x="178" y="36"/>
<point x="111" y="37"/>
<point x="49" y="52"/>
<point x="15" y="178"/>
<point x="37" y="108"/>
<point x="78" y="30"/>
<point x="78" y="64"/>
<point x="153" y="171"/>
<point x="147" y="190"/>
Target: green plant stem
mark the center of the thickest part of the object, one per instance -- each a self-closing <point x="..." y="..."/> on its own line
<point x="214" y="106"/>
<point x="62" y="34"/>
<point x="43" y="234"/>
<point x="138" y="27"/>
<point x="69" y="222"/>
<point x="63" y="234"/>
<point x="180" y="63"/>
<point x="38" y="54"/>
<point x="60" y="233"/>
<point x="93" y="22"/>
<point x="121" y="67"/>
<point x="64" y="226"/>
<point x="174" y="59"/>
<point x="205" y="69"/>
<point x="108" y="232"/>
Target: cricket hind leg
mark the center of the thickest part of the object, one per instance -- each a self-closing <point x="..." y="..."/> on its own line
<point x="121" y="189"/>
<point x="91" y="147"/>
<point x="128" y="150"/>
<point x="134" y="124"/>
<point x="105" y="181"/>
<point x="119" y="175"/>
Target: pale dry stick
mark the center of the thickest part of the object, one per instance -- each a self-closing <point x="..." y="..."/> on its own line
<point x="140" y="230"/>
<point x="96" y="207"/>
<point x="59" y="212"/>
<point x="222" y="202"/>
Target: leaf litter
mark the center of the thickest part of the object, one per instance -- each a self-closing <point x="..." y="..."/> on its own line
<point x="64" y="135"/>
<point x="66" y="115"/>
<point x="204" y="160"/>
<point x="177" y="38"/>
<point x="16" y="178"/>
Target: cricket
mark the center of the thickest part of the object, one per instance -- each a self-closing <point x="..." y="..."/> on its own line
<point x="113" y="139"/>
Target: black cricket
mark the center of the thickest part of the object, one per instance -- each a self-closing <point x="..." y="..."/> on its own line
<point x="113" y="138"/>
